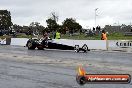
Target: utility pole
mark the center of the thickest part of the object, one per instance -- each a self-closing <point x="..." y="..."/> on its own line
<point x="95" y="16"/>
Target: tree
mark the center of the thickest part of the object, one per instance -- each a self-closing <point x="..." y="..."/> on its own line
<point x="52" y="22"/>
<point x="54" y="16"/>
<point x="36" y="28"/>
<point x="5" y="20"/>
<point x="17" y="28"/>
<point x="71" y="25"/>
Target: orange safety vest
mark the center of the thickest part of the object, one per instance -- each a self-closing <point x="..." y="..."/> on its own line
<point x="104" y="36"/>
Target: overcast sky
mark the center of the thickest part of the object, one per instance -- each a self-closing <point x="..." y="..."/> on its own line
<point x="111" y="12"/>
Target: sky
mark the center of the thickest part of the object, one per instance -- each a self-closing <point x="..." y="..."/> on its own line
<point x="109" y="12"/>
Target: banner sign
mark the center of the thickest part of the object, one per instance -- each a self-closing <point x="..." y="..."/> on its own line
<point x="120" y="43"/>
<point x="124" y="44"/>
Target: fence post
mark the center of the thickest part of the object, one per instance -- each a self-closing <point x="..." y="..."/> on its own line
<point x="8" y="41"/>
<point x="107" y="45"/>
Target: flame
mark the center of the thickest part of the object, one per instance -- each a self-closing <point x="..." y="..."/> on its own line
<point x="81" y="71"/>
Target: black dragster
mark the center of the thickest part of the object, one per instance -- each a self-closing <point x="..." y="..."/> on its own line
<point x="50" y="44"/>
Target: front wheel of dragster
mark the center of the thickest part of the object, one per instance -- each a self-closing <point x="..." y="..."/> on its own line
<point x="76" y="48"/>
<point x="30" y="45"/>
<point x="81" y="80"/>
<point x="85" y="48"/>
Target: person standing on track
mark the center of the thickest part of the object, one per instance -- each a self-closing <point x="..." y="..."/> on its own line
<point x="103" y="35"/>
<point x="45" y="39"/>
<point x="57" y="35"/>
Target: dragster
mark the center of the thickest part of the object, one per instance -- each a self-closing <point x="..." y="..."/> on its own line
<point x="51" y="44"/>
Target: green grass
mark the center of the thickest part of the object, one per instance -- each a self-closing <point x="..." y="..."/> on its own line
<point x="118" y="36"/>
<point x="80" y="37"/>
<point x="3" y="37"/>
<point x="24" y="36"/>
<point x="114" y="36"/>
<point x="19" y="36"/>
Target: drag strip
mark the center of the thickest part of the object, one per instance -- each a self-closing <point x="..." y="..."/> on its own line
<point x="23" y="68"/>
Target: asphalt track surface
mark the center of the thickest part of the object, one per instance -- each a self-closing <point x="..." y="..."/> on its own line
<point x="23" y="68"/>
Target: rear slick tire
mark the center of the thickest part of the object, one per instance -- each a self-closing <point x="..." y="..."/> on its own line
<point x="31" y="46"/>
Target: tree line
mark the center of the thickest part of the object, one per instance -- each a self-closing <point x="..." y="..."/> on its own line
<point x="69" y="25"/>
